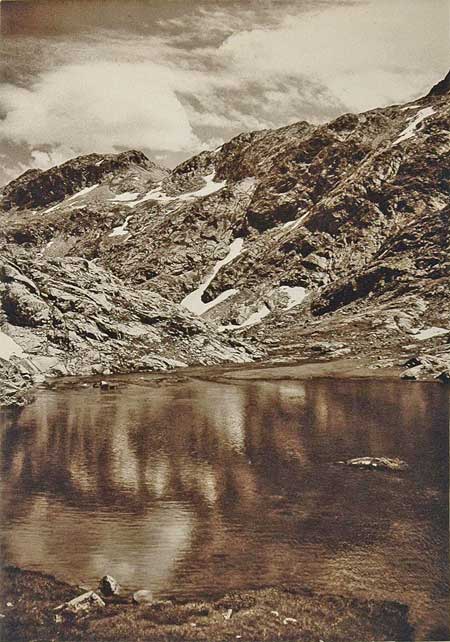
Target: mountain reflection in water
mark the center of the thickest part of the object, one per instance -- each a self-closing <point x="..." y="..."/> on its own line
<point x="204" y="487"/>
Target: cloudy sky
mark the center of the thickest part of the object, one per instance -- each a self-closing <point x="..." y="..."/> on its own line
<point x="173" y="77"/>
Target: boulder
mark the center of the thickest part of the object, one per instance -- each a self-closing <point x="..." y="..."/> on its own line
<point x="315" y="261"/>
<point x="82" y="604"/>
<point x="412" y="374"/>
<point x="24" y="308"/>
<point x="109" y="586"/>
<point x="143" y="597"/>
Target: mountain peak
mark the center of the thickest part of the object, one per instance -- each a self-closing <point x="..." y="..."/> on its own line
<point x="37" y="188"/>
<point x="442" y="87"/>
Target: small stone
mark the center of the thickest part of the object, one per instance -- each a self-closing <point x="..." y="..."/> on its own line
<point x="289" y="620"/>
<point x="143" y="597"/>
<point x="107" y="385"/>
<point x="228" y="614"/>
<point x="9" y="604"/>
<point x="109" y="586"/>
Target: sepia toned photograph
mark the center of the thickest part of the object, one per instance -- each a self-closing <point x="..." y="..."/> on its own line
<point x="224" y="320"/>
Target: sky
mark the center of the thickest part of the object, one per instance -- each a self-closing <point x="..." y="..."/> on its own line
<point x="174" y="77"/>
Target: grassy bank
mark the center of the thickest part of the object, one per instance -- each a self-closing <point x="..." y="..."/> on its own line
<point x="28" y="601"/>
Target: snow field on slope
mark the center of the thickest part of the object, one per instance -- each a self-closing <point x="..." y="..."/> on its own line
<point x="157" y="195"/>
<point x="121" y="230"/>
<point x="410" y="130"/>
<point x="193" y="301"/>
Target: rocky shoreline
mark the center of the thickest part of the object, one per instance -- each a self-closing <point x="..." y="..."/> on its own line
<point x="18" y="387"/>
<point x="30" y="602"/>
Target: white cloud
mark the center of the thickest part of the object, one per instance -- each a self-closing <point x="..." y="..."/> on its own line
<point x="45" y="159"/>
<point x="99" y="107"/>
<point x="364" y="55"/>
<point x="210" y="73"/>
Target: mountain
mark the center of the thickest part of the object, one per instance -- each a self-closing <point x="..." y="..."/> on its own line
<point x="310" y="239"/>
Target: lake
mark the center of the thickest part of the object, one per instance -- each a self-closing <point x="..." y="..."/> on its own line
<point x="198" y="484"/>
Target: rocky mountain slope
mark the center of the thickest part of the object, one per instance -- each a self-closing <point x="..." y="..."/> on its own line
<point x="336" y="233"/>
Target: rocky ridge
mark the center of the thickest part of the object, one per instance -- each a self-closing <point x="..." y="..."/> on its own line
<point x="67" y="316"/>
<point x="287" y="237"/>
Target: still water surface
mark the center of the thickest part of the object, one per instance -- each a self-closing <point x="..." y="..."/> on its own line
<point x="198" y="486"/>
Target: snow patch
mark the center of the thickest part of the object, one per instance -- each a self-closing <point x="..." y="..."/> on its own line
<point x="257" y="316"/>
<point x="157" y="195"/>
<point x="289" y="224"/>
<point x="210" y="188"/>
<point x="125" y="196"/>
<point x="410" y="131"/>
<point x="410" y="107"/>
<point x="8" y="347"/>
<point x="193" y="301"/>
<point x="54" y="207"/>
<point x="121" y="230"/>
<point x="296" y="295"/>
<point x="153" y="195"/>
<point x="253" y="319"/>
<point x="429" y="333"/>
<point x="246" y="186"/>
<point x="223" y="296"/>
<point x="83" y="191"/>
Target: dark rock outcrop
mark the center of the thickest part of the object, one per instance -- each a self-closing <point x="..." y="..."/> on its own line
<point x="442" y="87"/>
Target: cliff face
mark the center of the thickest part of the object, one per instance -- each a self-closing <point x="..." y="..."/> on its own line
<point x="280" y="235"/>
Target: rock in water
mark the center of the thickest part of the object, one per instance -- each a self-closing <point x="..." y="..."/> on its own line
<point x="109" y="586"/>
<point x="376" y="463"/>
<point x="143" y="597"/>
<point x="107" y="385"/>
